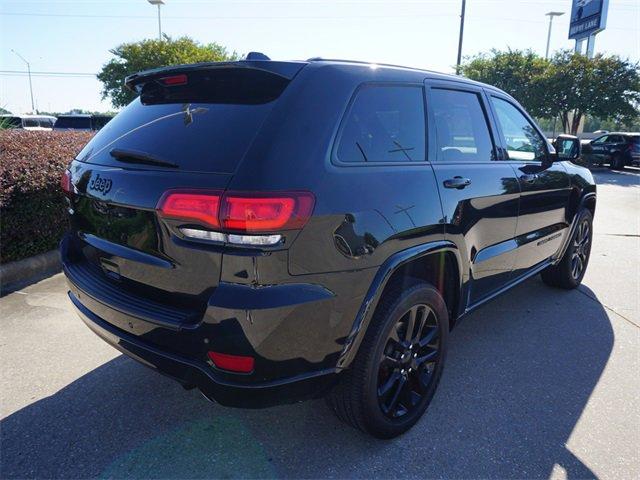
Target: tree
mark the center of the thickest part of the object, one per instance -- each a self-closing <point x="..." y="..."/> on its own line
<point x="516" y="72"/>
<point x="603" y="86"/>
<point x="569" y="86"/>
<point x="146" y="54"/>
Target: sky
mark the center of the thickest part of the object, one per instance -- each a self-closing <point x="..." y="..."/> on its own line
<point x="70" y="40"/>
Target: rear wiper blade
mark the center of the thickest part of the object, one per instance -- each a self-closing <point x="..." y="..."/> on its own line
<point x="135" y="156"/>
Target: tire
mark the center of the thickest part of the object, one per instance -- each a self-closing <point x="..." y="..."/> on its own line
<point x="617" y="162"/>
<point x="361" y="398"/>
<point x="564" y="274"/>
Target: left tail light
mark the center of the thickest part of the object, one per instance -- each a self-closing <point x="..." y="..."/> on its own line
<point x="240" y="212"/>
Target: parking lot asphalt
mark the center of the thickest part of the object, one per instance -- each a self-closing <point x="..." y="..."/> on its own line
<point x="540" y="383"/>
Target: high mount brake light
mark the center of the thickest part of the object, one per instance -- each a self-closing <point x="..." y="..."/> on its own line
<point x="240" y="211"/>
<point x="174" y="80"/>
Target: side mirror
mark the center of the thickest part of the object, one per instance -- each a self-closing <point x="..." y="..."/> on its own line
<point x="567" y="147"/>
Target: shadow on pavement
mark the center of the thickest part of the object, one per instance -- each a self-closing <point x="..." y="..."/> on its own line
<point x="518" y="376"/>
<point x="623" y="178"/>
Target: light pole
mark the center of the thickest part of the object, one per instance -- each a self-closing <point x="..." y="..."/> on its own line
<point x="158" y="3"/>
<point x="550" y="15"/>
<point x="464" y="3"/>
<point x="33" y="108"/>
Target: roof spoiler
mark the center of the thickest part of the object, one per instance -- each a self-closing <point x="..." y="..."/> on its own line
<point x="285" y="70"/>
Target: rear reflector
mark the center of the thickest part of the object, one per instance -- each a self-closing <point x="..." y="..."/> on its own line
<point x="232" y="363"/>
<point x="240" y="212"/>
<point x="65" y="182"/>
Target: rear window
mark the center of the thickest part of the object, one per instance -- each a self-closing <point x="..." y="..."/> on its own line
<point x="73" y="122"/>
<point x="384" y="124"/>
<point x="206" y="125"/>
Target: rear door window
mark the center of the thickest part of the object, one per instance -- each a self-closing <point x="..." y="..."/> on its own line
<point x="461" y="126"/>
<point x="386" y="123"/>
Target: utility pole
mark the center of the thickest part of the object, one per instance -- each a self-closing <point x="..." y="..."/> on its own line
<point x="158" y="3"/>
<point x="33" y="108"/>
<point x="464" y="2"/>
<point x="550" y="15"/>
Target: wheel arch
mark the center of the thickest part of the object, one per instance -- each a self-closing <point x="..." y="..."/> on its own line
<point x="438" y="263"/>
<point x="588" y="201"/>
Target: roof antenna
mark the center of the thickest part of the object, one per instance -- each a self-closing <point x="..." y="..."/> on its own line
<point x="256" y="56"/>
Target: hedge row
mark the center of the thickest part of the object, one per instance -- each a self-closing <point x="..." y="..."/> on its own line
<point x="32" y="208"/>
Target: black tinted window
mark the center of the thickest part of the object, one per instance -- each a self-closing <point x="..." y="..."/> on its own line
<point x="203" y="131"/>
<point x="461" y="127"/>
<point x="79" y="123"/>
<point x="30" y="122"/>
<point x="384" y="124"/>
<point x="522" y="140"/>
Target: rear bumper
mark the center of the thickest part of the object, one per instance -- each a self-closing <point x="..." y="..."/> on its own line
<point x="192" y="373"/>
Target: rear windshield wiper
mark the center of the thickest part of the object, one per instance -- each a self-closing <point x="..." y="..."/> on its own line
<point x="135" y="156"/>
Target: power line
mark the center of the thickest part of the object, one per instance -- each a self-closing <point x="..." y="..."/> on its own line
<point x="47" y="74"/>
<point x="235" y="17"/>
<point x="288" y="17"/>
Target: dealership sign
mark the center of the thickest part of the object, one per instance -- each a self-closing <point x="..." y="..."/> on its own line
<point x="588" y="17"/>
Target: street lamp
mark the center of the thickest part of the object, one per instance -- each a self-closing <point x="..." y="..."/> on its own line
<point x="550" y="15"/>
<point x="33" y="108"/>
<point x="158" y="3"/>
<point x="464" y="4"/>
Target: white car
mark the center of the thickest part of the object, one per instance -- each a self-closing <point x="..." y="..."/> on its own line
<point x="28" y="122"/>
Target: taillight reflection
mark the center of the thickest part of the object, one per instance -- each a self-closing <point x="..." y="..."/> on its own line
<point x="65" y="182"/>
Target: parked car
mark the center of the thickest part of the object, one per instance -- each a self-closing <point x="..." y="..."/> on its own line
<point x="27" y="122"/>
<point x="270" y="231"/>
<point x="615" y="149"/>
<point x="81" y="122"/>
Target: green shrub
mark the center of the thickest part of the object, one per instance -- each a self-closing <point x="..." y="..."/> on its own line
<point x="32" y="207"/>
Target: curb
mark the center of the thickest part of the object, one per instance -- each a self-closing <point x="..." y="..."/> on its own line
<point x="19" y="274"/>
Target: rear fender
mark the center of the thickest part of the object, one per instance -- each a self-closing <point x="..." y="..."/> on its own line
<point x="370" y="302"/>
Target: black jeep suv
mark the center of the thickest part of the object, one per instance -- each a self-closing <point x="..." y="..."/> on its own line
<point x="273" y="231"/>
<point x="616" y="149"/>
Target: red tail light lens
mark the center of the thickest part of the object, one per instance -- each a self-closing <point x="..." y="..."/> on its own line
<point x="232" y="363"/>
<point x="246" y="213"/>
<point x="203" y="207"/>
<point x="242" y="212"/>
<point x="65" y="182"/>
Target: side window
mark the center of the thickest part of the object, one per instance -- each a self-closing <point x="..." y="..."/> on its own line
<point x="461" y="126"/>
<point x="603" y="139"/>
<point x="384" y="124"/>
<point x="615" y="139"/>
<point x="30" y="122"/>
<point x="522" y="140"/>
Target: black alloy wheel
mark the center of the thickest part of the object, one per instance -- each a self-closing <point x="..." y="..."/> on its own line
<point x="571" y="268"/>
<point x="408" y="362"/>
<point x="396" y="372"/>
<point x="580" y="249"/>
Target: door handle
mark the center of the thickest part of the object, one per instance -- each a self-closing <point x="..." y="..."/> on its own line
<point x="529" y="177"/>
<point x="457" y="183"/>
